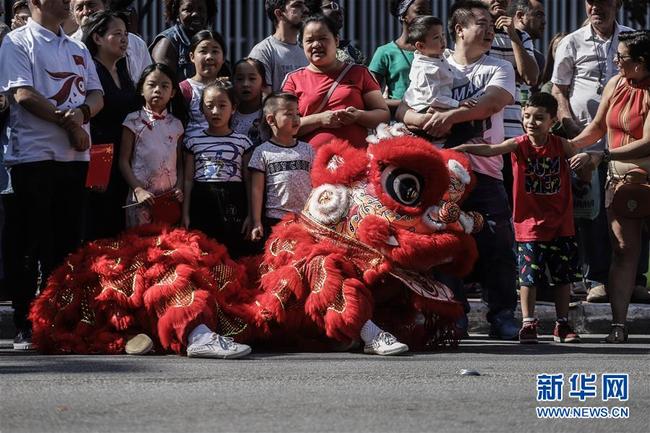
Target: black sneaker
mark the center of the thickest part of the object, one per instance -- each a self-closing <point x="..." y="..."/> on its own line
<point x="23" y="340"/>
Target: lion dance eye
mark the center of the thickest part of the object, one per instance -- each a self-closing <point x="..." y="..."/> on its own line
<point x="404" y="186"/>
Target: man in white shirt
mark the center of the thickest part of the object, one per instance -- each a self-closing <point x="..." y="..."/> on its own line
<point x="54" y="91"/>
<point x="492" y="82"/>
<point x="137" y="53"/>
<point x="280" y="53"/>
<point x="584" y="63"/>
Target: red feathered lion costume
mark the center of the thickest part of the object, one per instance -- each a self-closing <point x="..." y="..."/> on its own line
<point x="378" y="225"/>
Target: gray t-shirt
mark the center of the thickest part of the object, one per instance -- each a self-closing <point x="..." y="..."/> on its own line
<point x="279" y="58"/>
<point x="287" y="171"/>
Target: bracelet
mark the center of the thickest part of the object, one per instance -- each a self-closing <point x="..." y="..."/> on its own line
<point x="85" y="109"/>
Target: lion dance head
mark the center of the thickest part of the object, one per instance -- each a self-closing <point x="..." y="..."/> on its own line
<point x="379" y="226"/>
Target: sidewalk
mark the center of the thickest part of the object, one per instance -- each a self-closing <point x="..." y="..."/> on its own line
<point x="587" y="318"/>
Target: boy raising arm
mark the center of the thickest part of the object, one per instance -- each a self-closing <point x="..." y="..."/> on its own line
<point x="542" y="214"/>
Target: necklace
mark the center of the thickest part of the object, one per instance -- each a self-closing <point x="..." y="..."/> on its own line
<point x="602" y="65"/>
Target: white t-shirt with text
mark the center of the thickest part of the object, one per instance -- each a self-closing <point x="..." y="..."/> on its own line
<point x="472" y="81"/>
<point x="288" y="179"/>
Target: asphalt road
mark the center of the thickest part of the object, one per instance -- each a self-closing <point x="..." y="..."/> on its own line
<point x="333" y="392"/>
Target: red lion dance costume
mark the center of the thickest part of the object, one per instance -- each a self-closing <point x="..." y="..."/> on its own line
<point x="377" y="223"/>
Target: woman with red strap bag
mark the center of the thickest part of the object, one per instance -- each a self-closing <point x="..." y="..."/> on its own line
<point x="335" y="100"/>
<point x="623" y="115"/>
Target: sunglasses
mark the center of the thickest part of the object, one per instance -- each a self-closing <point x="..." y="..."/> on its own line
<point x="620" y="57"/>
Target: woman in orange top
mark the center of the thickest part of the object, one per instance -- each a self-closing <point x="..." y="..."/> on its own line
<point x="623" y="115"/>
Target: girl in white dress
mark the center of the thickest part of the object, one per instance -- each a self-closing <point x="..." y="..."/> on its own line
<point x="150" y="157"/>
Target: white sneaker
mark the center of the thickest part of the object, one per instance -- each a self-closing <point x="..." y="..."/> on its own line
<point x="218" y="347"/>
<point x="385" y="344"/>
<point x="23" y="340"/>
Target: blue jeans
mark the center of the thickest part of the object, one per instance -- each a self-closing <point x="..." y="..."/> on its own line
<point x="496" y="268"/>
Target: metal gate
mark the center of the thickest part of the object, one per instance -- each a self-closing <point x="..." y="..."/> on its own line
<point x="368" y="23"/>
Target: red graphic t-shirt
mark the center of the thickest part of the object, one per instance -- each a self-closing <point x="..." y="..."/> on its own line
<point x="543" y="204"/>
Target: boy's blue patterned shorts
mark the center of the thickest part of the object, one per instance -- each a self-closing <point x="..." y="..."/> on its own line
<point x="560" y="256"/>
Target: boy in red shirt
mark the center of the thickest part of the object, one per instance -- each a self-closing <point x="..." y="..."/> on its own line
<point x="542" y="215"/>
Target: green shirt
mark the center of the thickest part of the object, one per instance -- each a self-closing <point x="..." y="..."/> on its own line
<point x="394" y="65"/>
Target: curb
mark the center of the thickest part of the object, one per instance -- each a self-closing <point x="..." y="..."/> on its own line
<point x="7" y="328"/>
<point x="586" y="318"/>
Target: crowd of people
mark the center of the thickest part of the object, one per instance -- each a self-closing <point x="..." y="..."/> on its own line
<point x="228" y="147"/>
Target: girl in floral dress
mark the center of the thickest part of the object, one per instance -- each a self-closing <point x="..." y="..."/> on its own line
<point x="150" y="157"/>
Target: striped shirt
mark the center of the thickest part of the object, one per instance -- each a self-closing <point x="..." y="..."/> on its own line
<point x="628" y="109"/>
<point x="502" y="49"/>
<point x="218" y="158"/>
